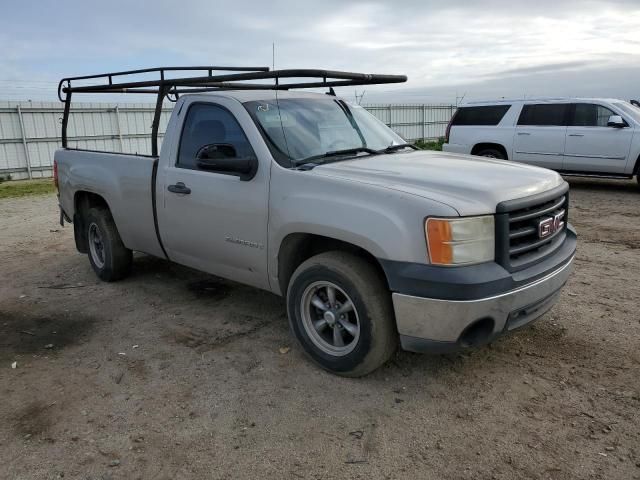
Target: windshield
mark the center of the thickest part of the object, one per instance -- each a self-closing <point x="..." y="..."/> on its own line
<point x="630" y="110"/>
<point x="301" y="128"/>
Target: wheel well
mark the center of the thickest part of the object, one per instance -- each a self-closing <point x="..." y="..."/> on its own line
<point x="483" y="146"/>
<point x="298" y="247"/>
<point x="636" y="169"/>
<point x="82" y="202"/>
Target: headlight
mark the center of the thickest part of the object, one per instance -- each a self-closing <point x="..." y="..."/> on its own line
<point x="460" y="241"/>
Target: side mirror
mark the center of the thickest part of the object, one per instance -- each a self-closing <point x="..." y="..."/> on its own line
<point x="215" y="151"/>
<point x="222" y="158"/>
<point x="616" y="121"/>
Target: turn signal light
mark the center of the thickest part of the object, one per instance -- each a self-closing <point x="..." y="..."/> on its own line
<point x="460" y="241"/>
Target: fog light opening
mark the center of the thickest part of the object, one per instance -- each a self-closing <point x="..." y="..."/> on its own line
<point x="478" y="333"/>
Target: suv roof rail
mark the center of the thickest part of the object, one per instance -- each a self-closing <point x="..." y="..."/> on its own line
<point x="529" y="99"/>
<point x="539" y="99"/>
<point x="167" y="87"/>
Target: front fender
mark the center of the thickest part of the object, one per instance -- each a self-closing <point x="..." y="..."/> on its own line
<point x="386" y="223"/>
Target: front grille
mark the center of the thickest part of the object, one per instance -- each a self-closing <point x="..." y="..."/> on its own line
<point x="521" y="239"/>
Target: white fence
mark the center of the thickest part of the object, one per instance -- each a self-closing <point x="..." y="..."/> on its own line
<point x="30" y="131"/>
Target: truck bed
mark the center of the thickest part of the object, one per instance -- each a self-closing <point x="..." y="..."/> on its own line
<point x="124" y="181"/>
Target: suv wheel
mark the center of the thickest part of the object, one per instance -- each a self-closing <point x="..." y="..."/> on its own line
<point x="340" y="311"/>
<point x="491" y="153"/>
<point x="108" y="256"/>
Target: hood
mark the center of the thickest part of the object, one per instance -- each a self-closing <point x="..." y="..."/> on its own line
<point x="471" y="185"/>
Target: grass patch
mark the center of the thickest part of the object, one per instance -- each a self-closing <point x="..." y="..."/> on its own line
<point x="430" y="145"/>
<point x="22" y="188"/>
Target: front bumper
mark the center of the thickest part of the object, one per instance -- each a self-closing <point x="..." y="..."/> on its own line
<point x="434" y="325"/>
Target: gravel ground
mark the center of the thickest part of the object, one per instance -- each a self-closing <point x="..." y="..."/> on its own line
<point x="174" y="374"/>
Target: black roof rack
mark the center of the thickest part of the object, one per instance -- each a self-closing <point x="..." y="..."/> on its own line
<point x="173" y="87"/>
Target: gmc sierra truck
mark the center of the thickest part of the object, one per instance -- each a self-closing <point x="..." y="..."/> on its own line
<point x="372" y="242"/>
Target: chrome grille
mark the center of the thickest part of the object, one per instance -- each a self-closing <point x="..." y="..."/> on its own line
<point x="532" y="230"/>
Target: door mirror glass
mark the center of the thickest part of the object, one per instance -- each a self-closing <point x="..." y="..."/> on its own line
<point x="616" y="121"/>
<point x="223" y="158"/>
<point x="216" y="151"/>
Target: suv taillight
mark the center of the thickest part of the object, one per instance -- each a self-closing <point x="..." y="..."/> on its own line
<point x="55" y="174"/>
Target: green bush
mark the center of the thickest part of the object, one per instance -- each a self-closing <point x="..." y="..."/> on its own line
<point x="430" y="144"/>
<point x="21" y="188"/>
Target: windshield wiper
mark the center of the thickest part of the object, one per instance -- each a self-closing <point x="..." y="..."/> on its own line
<point x="336" y="153"/>
<point x="395" y="148"/>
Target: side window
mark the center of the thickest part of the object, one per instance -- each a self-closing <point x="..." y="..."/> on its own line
<point x="208" y="124"/>
<point x="543" y="114"/>
<point x="590" y="115"/>
<point x="488" y="115"/>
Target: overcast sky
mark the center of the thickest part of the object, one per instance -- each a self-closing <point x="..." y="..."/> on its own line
<point x="448" y="48"/>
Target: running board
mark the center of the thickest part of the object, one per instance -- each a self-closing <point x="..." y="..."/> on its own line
<point x="597" y="175"/>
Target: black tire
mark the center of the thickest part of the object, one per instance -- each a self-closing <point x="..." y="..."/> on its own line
<point x="365" y="289"/>
<point x="112" y="260"/>
<point x="491" y="153"/>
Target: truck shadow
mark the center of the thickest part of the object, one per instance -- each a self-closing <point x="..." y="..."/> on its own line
<point x="240" y="311"/>
<point x="603" y="184"/>
<point x="542" y="350"/>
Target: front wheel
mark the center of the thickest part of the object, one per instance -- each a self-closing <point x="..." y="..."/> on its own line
<point x="340" y="311"/>
<point x="108" y="256"/>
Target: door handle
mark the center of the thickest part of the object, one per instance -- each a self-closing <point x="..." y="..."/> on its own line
<point x="179" y="188"/>
<point x="524" y="133"/>
<point x="576" y="134"/>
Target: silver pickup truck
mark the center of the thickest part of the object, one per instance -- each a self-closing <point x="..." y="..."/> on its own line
<point x="372" y="242"/>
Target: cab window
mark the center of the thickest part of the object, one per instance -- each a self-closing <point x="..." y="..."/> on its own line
<point x="211" y="125"/>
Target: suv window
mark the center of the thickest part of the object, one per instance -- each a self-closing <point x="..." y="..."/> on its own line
<point x="543" y="114"/>
<point x="489" y="115"/>
<point x="590" y="115"/>
<point x="207" y="124"/>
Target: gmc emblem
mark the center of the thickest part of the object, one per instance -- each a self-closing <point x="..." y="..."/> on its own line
<point x="551" y="225"/>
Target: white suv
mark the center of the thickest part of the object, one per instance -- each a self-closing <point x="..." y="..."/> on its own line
<point x="579" y="136"/>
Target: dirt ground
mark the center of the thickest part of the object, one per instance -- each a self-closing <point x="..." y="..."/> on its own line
<point x="174" y="374"/>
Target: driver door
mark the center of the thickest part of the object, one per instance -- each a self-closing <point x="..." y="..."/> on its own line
<point x="215" y="221"/>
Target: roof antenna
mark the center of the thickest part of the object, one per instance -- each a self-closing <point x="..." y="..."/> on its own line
<point x="331" y="92"/>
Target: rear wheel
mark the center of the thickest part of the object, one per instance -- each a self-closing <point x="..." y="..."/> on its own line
<point x="340" y="311"/>
<point x="490" y="153"/>
<point x="108" y="256"/>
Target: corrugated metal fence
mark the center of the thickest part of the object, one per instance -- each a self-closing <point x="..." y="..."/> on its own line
<point x="30" y="131"/>
<point x="414" y="122"/>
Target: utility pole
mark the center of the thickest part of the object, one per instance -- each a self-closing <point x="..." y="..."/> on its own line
<point x="359" y="97"/>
